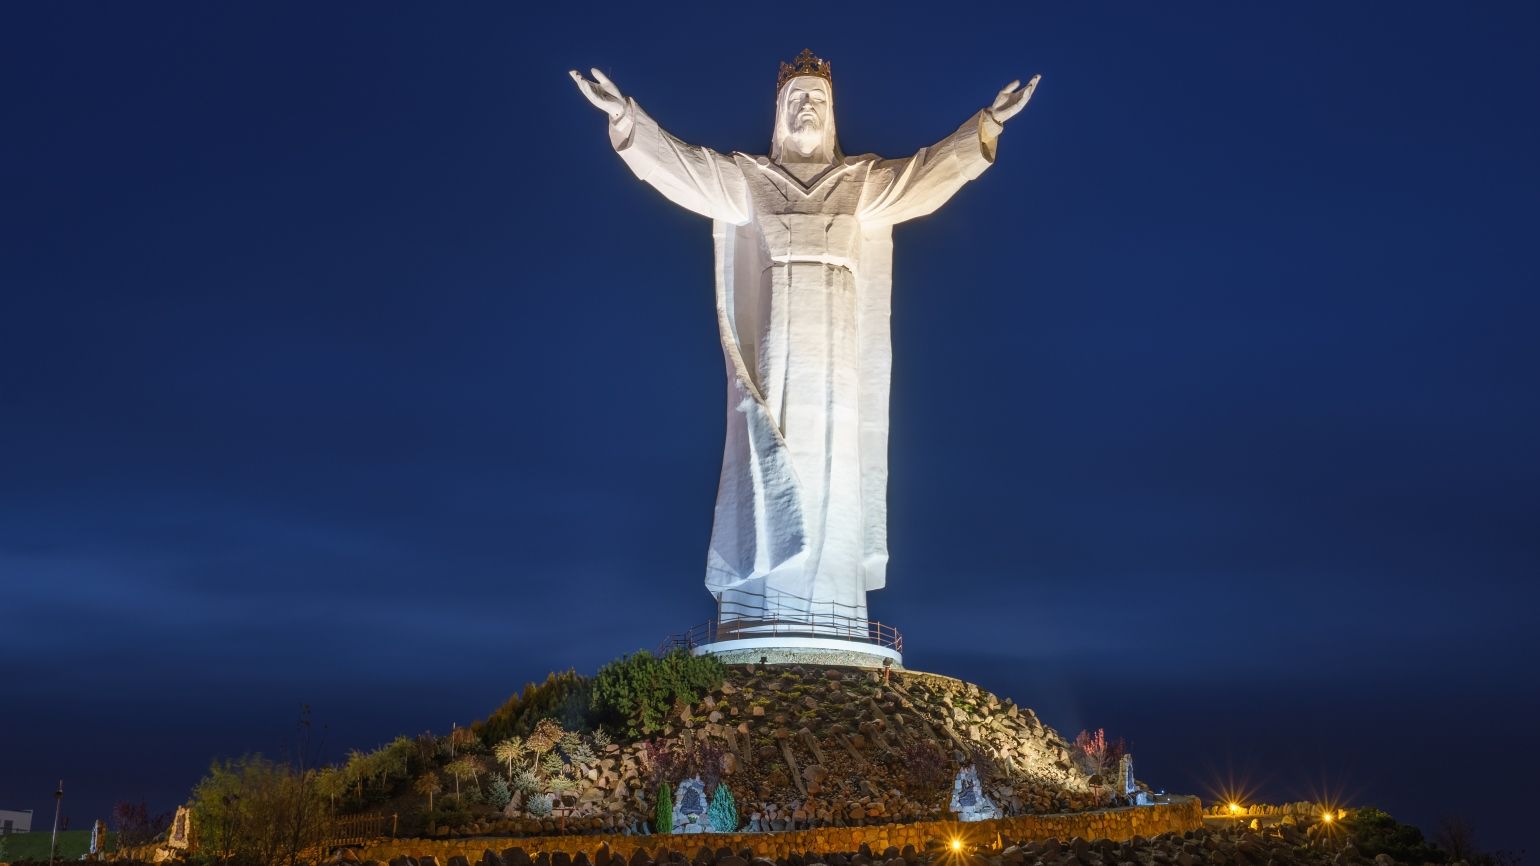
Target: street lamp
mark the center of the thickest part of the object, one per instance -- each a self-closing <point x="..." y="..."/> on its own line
<point x="58" y="800"/>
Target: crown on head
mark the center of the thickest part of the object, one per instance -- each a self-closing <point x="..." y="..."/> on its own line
<point x="805" y="64"/>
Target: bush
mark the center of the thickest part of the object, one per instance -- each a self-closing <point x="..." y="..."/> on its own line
<point x="928" y="770"/>
<point x="498" y="793"/>
<point x="664" y="813"/>
<point x="135" y="825"/>
<point x="255" y="811"/>
<point x="722" y="814"/>
<point x="538" y="805"/>
<point x="671" y="761"/>
<point x="634" y="694"/>
<point x="524" y="782"/>
<point x="1374" y="832"/>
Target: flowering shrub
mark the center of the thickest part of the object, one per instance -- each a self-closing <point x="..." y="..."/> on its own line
<point x="1096" y="755"/>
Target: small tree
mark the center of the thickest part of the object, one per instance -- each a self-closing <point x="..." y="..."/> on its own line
<point x="664" y="813"/>
<point x="427" y="785"/>
<point x="135" y="825"/>
<point x="524" y="782"/>
<point x="509" y="750"/>
<point x="1097" y="754"/>
<point x="722" y="814"/>
<point x="258" y="812"/>
<point x="552" y="765"/>
<point x="332" y="784"/>
<point x="560" y="787"/>
<point x="543" y="738"/>
<point x="461" y="769"/>
<point x="498" y="793"/>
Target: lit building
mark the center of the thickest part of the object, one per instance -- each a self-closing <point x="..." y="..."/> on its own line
<point x="15" y="822"/>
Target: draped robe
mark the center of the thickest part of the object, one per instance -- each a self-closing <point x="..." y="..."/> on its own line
<point x="803" y="289"/>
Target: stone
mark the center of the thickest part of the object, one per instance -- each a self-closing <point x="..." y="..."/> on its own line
<point x="177" y="835"/>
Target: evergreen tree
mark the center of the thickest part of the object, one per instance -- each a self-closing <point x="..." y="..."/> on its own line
<point x="498" y="793"/>
<point x="722" y="814"/>
<point x="664" y="817"/>
<point x="635" y="694"/>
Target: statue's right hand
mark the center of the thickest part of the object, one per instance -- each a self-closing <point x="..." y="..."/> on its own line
<point x="602" y="92"/>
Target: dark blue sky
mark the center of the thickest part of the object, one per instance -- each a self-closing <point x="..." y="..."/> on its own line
<point x="342" y="363"/>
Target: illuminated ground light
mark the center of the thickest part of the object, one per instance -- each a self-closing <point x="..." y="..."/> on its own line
<point x="1236" y="808"/>
<point x="956" y="844"/>
<point x="1328" y="816"/>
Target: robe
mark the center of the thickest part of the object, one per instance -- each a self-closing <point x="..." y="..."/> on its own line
<point x="803" y="291"/>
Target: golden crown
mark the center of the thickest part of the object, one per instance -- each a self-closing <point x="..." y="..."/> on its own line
<point x="805" y="64"/>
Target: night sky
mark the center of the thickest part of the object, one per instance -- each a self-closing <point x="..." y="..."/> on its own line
<point x="342" y="363"/>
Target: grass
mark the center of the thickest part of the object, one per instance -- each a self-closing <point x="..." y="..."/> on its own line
<point x="34" y="846"/>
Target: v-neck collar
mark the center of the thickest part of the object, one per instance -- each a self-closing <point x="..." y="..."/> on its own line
<point x="807" y="189"/>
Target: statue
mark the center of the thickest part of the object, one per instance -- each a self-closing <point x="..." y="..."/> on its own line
<point x="804" y="253"/>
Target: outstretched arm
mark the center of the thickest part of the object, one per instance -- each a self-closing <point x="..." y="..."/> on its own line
<point x="696" y="178"/>
<point x="903" y="189"/>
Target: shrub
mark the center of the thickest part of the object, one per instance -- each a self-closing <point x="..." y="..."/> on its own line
<point x="538" y="805"/>
<point x="927" y="769"/>
<point x="135" y="825"/>
<point x="498" y="792"/>
<point x="258" y="811"/>
<point x="671" y="761"/>
<point x="722" y="814"/>
<point x="1096" y="755"/>
<point x="634" y="694"/>
<point x="524" y="782"/>
<point x="663" y="815"/>
<point x="1374" y="832"/>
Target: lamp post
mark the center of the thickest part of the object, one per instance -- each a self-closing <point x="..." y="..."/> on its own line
<point x="58" y="800"/>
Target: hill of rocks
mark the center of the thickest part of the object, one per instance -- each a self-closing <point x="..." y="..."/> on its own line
<point x="803" y="746"/>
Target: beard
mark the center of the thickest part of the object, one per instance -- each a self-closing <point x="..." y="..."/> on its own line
<point x="805" y="136"/>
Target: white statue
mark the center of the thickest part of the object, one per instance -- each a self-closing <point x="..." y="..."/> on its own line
<point x="804" y="257"/>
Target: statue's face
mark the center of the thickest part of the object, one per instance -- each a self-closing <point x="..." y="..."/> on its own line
<point x="804" y="121"/>
<point x="806" y="105"/>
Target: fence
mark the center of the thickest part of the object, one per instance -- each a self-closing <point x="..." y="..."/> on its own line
<point x="357" y="830"/>
<point x="742" y="614"/>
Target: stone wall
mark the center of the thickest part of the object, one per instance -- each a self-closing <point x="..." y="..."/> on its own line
<point x="1177" y="816"/>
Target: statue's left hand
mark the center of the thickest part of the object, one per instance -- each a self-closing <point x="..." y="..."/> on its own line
<point x="1012" y="100"/>
<point x="602" y="92"/>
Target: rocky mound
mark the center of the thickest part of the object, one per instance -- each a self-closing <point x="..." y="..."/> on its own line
<point x="801" y="747"/>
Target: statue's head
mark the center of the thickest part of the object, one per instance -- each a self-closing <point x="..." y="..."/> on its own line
<point x="804" y="113"/>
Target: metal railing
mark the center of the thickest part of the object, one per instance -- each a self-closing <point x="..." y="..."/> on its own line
<point x="742" y="614"/>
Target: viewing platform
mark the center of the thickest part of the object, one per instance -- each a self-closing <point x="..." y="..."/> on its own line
<point x="778" y="629"/>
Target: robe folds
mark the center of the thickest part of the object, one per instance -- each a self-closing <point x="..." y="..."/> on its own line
<point x="803" y="296"/>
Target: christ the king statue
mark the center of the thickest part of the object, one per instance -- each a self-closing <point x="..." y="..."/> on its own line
<point x="804" y="254"/>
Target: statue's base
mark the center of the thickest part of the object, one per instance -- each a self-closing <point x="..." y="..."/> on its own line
<point x="786" y="650"/>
